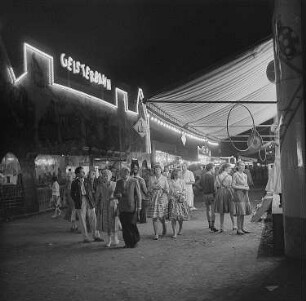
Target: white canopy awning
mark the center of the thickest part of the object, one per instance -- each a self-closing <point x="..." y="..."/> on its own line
<point x="201" y="105"/>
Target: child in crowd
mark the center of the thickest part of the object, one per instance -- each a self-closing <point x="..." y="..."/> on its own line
<point x="56" y="200"/>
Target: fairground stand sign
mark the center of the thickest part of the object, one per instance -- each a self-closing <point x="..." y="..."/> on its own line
<point x="59" y="105"/>
<point x="94" y="89"/>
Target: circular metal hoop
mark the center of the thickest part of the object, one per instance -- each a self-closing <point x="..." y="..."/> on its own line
<point x="254" y="131"/>
<point x="259" y="155"/>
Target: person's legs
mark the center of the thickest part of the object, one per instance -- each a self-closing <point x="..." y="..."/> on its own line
<point x="208" y="214"/>
<point x="82" y="219"/>
<point x="180" y="221"/>
<point x="124" y="224"/>
<point x="58" y="205"/>
<point x="135" y="236"/>
<point x="173" y="224"/>
<point x="163" y="221"/>
<point x="93" y="223"/>
<point x="56" y="202"/>
<point x="233" y="221"/>
<point x="129" y="229"/>
<point x="155" y="227"/>
<point x="191" y="200"/>
<point x="116" y="239"/>
<point x="213" y="216"/>
<point x="242" y="225"/>
<point x="109" y="240"/>
<point x="74" y="225"/>
<point x="221" y="222"/>
<point x="239" y="225"/>
<point x="143" y="212"/>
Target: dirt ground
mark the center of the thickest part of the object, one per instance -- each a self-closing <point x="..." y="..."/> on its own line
<point x="42" y="260"/>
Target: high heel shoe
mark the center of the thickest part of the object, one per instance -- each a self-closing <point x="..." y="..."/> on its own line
<point x="240" y="233"/>
<point x="245" y="231"/>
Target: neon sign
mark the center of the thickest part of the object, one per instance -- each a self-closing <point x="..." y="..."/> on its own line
<point x="77" y="68"/>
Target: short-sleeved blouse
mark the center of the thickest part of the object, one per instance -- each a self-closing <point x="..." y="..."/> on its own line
<point x="223" y="180"/>
<point x="240" y="179"/>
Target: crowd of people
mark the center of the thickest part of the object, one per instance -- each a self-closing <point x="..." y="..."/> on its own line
<point x="103" y="205"/>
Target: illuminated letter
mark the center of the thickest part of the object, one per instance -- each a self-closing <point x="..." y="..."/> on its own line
<point x="108" y="84"/>
<point x="96" y="77"/>
<point x="100" y="79"/>
<point x="74" y="67"/>
<point x="70" y="60"/>
<point x="63" y="60"/>
<point x="87" y="72"/>
<point x="77" y="67"/>
<point x="83" y="69"/>
<point x="91" y="76"/>
<point x="103" y="80"/>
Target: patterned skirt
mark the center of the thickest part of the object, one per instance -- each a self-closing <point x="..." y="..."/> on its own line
<point x="224" y="200"/>
<point x="242" y="205"/>
<point x="158" y="207"/>
<point x="177" y="210"/>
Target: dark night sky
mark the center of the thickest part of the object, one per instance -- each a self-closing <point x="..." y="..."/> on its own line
<point x="150" y="44"/>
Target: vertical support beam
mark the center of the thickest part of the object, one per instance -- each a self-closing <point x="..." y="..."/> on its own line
<point x="287" y="31"/>
<point x="27" y="165"/>
<point x="153" y="153"/>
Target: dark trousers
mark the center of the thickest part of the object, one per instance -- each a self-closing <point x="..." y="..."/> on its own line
<point x="130" y="231"/>
<point x="143" y="211"/>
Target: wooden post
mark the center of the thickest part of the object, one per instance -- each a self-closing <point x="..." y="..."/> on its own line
<point x="291" y="110"/>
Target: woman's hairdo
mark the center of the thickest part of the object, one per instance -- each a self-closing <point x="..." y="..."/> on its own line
<point x="224" y="167"/>
<point x="174" y="171"/>
<point x="125" y="169"/>
<point x="240" y="162"/>
<point x="78" y="170"/>
<point x="209" y="166"/>
<point x="157" y="165"/>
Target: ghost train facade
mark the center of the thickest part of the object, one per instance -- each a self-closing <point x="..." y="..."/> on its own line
<point x="55" y="121"/>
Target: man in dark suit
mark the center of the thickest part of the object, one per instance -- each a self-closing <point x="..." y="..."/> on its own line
<point x="82" y="195"/>
<point x="128" y="193"/>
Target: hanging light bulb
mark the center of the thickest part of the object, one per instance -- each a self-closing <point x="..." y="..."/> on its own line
<point x="183" y="138"/>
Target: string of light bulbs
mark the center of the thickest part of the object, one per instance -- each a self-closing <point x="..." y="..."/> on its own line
<point x="178" y="130"/>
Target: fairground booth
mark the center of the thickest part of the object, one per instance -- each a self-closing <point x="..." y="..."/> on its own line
<point x="58" y="113"/>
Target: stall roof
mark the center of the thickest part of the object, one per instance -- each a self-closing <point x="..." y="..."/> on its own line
<point x="201" y="105"/>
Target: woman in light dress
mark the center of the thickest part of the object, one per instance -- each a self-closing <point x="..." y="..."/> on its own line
<point x="107" y="207"/>
<point x="242" y="204"/>
<point x="158" y="193"/>
<point x="188" y="177"/>
<point x="224" y="195"/>
<point x="178" y="207"/>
